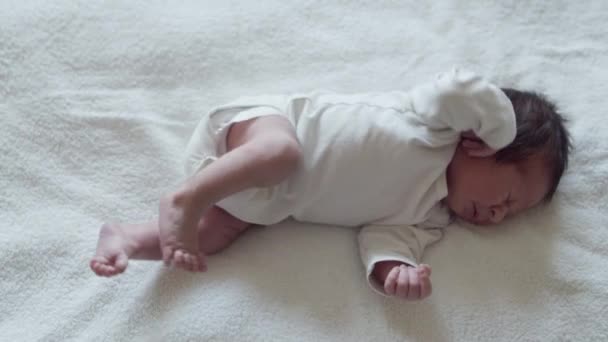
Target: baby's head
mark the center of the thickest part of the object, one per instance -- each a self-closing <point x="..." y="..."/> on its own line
<point x="518" y="177"/>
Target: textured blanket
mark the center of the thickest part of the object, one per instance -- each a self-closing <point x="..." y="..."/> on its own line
<point x="98" y="99"/>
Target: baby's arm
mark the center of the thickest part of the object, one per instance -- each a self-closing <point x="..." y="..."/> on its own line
<point x="462" y="101"/>
<point x="390" y="255"/>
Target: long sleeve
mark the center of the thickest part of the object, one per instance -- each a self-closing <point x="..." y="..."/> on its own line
<point x="461" y="101"/>
<point x="399" y="243"/>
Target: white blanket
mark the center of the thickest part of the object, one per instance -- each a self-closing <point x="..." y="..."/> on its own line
<point x="97" y="100"/>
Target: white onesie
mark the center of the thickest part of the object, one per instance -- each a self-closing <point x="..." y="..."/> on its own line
<point x="376" y="160"/>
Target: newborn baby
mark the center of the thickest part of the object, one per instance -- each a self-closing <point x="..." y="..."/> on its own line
<point x="401" y="165"/>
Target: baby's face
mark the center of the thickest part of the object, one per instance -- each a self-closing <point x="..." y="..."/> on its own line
<point x="482" y="191"/>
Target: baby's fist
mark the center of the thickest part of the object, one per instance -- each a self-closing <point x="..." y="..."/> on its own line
<point x="407" y="282"/>
<point x="474" y="146"/>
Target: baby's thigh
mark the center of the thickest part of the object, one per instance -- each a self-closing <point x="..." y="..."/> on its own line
<point x="275" y="128"/>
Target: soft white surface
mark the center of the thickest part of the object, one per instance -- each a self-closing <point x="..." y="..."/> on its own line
<point x="96" y="105"/>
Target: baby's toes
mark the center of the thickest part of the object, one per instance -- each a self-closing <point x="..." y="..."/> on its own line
<point x="178" y="258"/>
<point x="194" y="262"/>
<point x="97" y="265"/>
<point x="198" y="263"/>
<point x="201" y="263"/>
<point x="93" y="265"/>
<point x="107" y="270"/>
<point x="182" y="259"/>
<point x="190" y="262"/>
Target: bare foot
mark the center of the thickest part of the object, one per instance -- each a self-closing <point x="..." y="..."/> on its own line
<point x="113" y="251"/>
<point x="178" y="229"/>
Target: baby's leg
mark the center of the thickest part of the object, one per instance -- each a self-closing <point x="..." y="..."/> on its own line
<point x="120" y="242"/>
<point x="262" y="152"/>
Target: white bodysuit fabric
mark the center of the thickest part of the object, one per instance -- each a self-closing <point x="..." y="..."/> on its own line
<point x="374" y="160"/>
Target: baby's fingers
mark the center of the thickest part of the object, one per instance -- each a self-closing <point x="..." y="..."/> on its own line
<point x="482" y="152"/>
<point x="477" y="148"/>
<point x="390" y="283"/>
<point x="403" y="282"/>
<point x="424" y="269"/>
<point x="425" y="285"/>
<point x="473" y="144"/>
<point x="414" y="287"/>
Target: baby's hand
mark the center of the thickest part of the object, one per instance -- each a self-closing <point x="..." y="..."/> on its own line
<point x="407" y="282"/>
<point x="474" y="146"/>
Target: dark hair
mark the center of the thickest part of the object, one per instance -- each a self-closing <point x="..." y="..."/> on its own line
<point x="541" y="131"/>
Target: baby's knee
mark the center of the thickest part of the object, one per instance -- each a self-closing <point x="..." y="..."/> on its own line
<point x="278" y="154"/>
<point x="271" y="143"/>
<point x="285" y="149"/>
